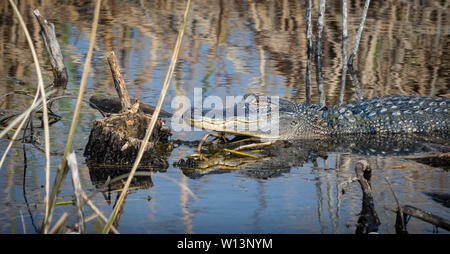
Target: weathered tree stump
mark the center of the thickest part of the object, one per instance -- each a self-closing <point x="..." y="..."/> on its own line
<point x="116" y="139"/>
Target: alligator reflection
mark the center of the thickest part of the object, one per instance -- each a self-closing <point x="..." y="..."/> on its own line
<point x="280" y="157"/>
<point x="326" y="160"/>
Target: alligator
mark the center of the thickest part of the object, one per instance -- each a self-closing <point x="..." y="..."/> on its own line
<point x="282" y="119"/>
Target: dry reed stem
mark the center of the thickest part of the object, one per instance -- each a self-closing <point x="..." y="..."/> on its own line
<point x="44" y="104"/>
<point x="72" y="163"/>
<point x="62" y="220"/>
<point x="23" y="118"/>
<point x="23" y="222"/>
<point x="41" y="89"/>
<point x="98" y="212"/>
<point x="62" y="172"/>
<point x="87" y="200"/>
<point x="399" y="206"/>
<point x="245" y="147"/>
<point x="153" y="120"/>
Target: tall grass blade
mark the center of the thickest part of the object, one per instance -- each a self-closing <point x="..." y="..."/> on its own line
<point x="153" y="120"/>
<point x="62" y="171"/>
<point x="41" y="88"/>
<point x="72" y="163"/>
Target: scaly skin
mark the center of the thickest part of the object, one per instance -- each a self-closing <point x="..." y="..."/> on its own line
<point x="389" y="114"/>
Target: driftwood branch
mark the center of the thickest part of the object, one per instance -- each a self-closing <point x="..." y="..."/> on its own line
<point x="119" y="83"/>
<point x="368" y="221"/>
<point x="54" y="52"/>
<point x="109" y="104"/>
<point x="426" y="216"/>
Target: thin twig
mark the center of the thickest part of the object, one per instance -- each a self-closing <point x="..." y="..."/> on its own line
<point x="62" y="171"/>
<point x="62" y="220"/>
<point x="244" y="147"/>
<point x="153" y="120"/>
<point x="399" y="206"/>
<point x="241" y="153"/>
<point x="87" y="199"/>
<point x="23" y="222"/>
<point x="21" y="92"/>
<point x="98" y="212"/>
<point x="202" y="142"/>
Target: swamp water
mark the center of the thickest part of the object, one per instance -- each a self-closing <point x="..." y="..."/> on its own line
<point x="230" y="48"/>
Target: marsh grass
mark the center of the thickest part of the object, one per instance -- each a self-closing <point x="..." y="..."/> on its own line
<point x="63" y="171"/>
<point x="83" y="198"/>
<point x="152" y="123"/>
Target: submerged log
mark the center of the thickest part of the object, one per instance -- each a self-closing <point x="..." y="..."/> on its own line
<point x="439" y="161"/>
<point x="116" y="139"/>
<point x="426" y="216"/>
<point x="110" y="104"/>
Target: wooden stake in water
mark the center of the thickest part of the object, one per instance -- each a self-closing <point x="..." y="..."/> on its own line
<point x="54" y="52"/>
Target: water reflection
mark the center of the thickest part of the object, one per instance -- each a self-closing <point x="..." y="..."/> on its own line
<point x="234" y="48"/>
